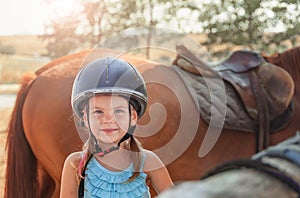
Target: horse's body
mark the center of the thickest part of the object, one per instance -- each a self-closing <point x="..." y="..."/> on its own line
<point x="274" y="172"/>
<point x="42" y="132"/>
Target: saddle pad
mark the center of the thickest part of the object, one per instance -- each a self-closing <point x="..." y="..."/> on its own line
<point x="236" y="118"/>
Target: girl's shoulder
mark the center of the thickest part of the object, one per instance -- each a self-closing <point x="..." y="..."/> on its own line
<point x="148" y="154"/>
<point x="74" y="158"/>
<point x="152" y="161"/>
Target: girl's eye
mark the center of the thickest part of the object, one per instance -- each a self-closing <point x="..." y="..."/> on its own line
<point x="119" y="111"/>
<point x="98" y="112"/>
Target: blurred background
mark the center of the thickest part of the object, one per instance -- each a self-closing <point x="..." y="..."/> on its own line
<point x="34" y="32"/>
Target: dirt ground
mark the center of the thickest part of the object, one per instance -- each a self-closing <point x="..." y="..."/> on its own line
<point x="4" y="117"/>
<point x="2" y="162"/>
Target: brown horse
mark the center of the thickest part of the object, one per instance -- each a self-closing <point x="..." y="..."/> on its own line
<point x="42" y="132"/>
<point x="274" y="172"/>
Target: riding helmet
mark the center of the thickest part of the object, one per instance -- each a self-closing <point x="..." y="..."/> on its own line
<point x="109" y="76"/>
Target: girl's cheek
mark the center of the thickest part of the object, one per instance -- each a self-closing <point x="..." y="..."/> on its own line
<point x="123" y="125"/>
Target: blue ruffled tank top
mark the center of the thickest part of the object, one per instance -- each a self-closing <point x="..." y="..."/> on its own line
<point x="104" y="183"/>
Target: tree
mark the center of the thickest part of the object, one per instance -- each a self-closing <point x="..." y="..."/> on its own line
<point x="62" y="37"/>
<point x="245" y="23"/>
<point x="101" y="19"/>
<point x="249" y="23"/>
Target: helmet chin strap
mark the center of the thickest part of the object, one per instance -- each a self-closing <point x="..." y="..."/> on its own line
<point x="97" y="148"/>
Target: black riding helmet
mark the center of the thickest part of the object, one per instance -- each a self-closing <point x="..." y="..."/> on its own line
<point x="109" y="76"/>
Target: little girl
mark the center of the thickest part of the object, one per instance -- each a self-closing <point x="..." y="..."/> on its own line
<point x="109" y="96"/>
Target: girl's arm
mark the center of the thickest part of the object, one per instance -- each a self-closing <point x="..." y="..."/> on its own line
<point x="69" y="182"/>
<point x="157" y="172"/>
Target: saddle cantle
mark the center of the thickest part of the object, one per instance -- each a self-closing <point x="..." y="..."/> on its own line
<point x="258" y="94"/>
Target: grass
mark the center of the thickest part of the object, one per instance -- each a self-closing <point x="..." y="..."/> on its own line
<point x="25" y="45"/>
<point x="13" y="67"/>
<point x="28" y="57"/>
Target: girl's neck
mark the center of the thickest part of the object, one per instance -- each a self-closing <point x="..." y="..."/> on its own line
<point x="105" y="146"/>
<point x="116" y="160"/>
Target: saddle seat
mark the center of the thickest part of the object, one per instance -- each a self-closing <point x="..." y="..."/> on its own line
<point x="253" y="88"/>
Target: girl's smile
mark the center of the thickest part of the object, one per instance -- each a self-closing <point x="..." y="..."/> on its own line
<point x="109" y="130"/>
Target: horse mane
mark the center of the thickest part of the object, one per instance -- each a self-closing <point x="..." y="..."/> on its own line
<point x="289" y="60"/>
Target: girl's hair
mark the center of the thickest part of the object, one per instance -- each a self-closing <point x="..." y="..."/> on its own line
<point x="134" y="146"/>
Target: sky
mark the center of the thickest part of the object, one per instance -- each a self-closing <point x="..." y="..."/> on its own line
<point x="18" y="17"/>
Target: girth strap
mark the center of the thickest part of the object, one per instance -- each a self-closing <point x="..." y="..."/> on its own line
<point x="263" y="126"/>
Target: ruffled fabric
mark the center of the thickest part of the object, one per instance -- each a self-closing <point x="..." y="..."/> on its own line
<point x="101" y="182"/>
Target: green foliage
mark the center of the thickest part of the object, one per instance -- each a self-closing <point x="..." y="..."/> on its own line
<point x="248" y="23"/>
<point x="103" y="18"/>
<point x="260" y="25"/>
<point x="100" y="19"/>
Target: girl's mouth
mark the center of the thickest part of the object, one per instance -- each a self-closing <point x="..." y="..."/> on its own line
<point x="109" y="130"/>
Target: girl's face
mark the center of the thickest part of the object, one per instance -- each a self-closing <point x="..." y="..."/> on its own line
<point x="109" y="117"/>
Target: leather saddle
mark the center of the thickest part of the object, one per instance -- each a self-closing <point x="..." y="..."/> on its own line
<point x="258" y="94"/>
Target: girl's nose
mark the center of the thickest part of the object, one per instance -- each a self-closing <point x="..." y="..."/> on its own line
<point x="108" y="117"/>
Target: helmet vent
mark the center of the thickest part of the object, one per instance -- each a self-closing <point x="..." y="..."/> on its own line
<point x="107" y="70"/>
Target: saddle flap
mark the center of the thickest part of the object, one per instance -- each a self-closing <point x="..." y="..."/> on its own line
<point x="193" y="64"/>
<point x="240" y="61"/>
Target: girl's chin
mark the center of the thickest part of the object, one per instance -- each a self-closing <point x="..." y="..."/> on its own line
<point x="108" y="142"/>
<point x="109" y="138"/>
